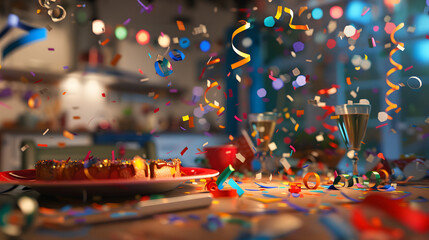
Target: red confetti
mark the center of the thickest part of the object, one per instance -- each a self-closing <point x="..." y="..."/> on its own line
<point x="105" y="42"/>
<point x="141" y="72"/>
<point x="238" y="119"/>
<point x="201" y="75"/>
<point x="408" y="68"/>
<point x="168" y="103"/>
<point x="183" y="151"/>
<point x="38" y="81"/>
<point x="382" y="125"/>
<point x="103" y="95"/>
<point x="292" y="148"/>
<point x="245" y="115"/>
<point x="156" y="110"/>
<point x="191" y="122"/>
<point x="42" y="145"/>
<point x="230" y="92"/>
<point x="380" y="155"/>
<point x="115" y="59"/>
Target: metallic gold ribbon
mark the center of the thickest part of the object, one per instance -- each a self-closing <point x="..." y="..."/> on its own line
<point x="397" y="66"/>
<point x="221" y="109"/>
<point x="240" y="53"/>
<point x="299" y="27"/>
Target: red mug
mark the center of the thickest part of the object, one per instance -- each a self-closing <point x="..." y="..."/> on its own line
<point x="221" y="156"/>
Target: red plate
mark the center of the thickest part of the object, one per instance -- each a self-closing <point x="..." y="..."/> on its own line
<point x="105" y="187"/>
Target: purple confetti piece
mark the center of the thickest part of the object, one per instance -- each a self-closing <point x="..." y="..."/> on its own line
<point x="207" y="134"/>
<point x="173" y="90"/>
<point x="127" y="21"/>
<point x="51" y="49"/>
<point x="33" y="74"/>
<point x="184" y="129"/>
<point x="66" y="67"/>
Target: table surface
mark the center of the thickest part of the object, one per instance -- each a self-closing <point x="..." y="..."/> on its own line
<point x="258" y="209"/>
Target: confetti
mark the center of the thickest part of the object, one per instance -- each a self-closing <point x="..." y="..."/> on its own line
<point x="180" y="25"/>
<point x="245" y="26"/>
<point x="183" y="151"/>
<point x="115" y="59"/>
<point x="42" y="145"/>
<point x="223" y="176"/>
<point x="240" y="157"/>
<point x="285" y="163"/>
<point x="25" y="147"/>
<point x="238" y="119"/>
<point x="234" y="185"/>
<point x="68" y="135"/>
<point x="272" y="146"/>
<point x="46" y="131"/>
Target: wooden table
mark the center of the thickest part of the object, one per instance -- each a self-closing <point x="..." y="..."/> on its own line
<point x="240" y="215"/>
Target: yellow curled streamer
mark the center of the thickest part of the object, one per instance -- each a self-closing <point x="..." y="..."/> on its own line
<point x="213" y="84"/>
<point x="221" y="109"/>
<point x="300" y="27"/>
<point x="397" y="66"/>
<point x="279" y="12"/>
<point x="242" y="54"/>
<point x="301" y="10"/>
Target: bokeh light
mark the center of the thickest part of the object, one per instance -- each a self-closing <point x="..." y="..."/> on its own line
<point x="261" y="92"/>
<point x="164" y="40"/>
<point x="278" y="84"/>
<point x="317" y="13"/>
<point x="121" y="32"/>
<point x="205" y="46"/>
<point x="142" y="37"/>
<point x="247" y="42"/>
<point x="331" y="43"/>
<point x="336" y="12"/>
<point x="98" y="27"/>
<point x="34" y="101"/>
<point x="269" y="21"/>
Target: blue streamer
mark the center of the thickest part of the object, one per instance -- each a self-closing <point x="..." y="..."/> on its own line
<point x="176" y="55"/>
<point x="33" y="35"/>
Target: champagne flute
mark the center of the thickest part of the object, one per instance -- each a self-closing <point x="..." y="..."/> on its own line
<point x="352" y="122"/>
<point x="262" y="126"/>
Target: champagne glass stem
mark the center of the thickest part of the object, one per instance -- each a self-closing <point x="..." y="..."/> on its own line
<point x="355" y="168"/>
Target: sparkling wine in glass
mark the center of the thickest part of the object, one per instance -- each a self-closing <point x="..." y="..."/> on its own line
<point x="262" y="127"/>
<point x="352" y="122"/>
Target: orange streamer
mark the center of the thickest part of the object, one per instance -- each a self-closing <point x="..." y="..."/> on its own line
<point x="299" y="27"/>
<point x="240" y="53"/>
<point x="397" y="66"/>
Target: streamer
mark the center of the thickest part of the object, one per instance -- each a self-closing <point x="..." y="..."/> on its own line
<point x="221" y="109"/>
<point x="397" y="66"/>
<point x="240" y="53"/>
<point x="33" y="34"/>
<point x="299" y="27"/>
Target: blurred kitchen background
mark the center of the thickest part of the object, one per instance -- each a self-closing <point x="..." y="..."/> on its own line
<point x="104" y="92"/>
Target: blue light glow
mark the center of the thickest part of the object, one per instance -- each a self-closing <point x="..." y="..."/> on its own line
<point x="354" y="12"/>
<point x="420" y="51"/>
<point x="317" y="13"/>
<point x="205" y="45"/>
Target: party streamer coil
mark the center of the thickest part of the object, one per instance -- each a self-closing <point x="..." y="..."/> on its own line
<point x="240" y="53"/>
<point x="397" y="66"/>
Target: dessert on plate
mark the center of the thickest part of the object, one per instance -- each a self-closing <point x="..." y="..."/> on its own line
<point x="138" y="168"/>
